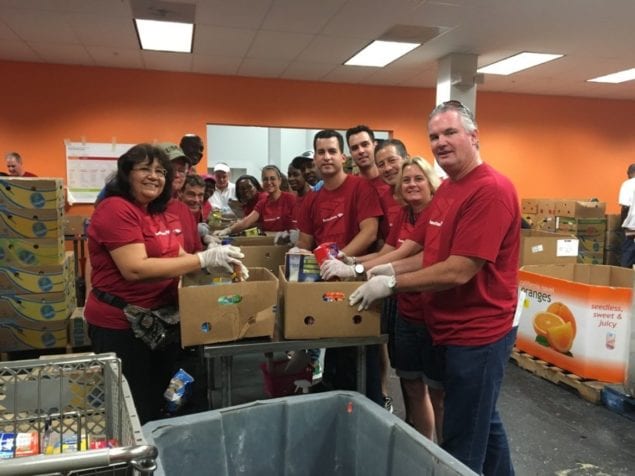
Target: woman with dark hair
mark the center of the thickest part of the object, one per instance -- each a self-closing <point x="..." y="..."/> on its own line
<point x="248" y="193"/>
<point x="271" y="213"/>
<point x="136" y="254"/>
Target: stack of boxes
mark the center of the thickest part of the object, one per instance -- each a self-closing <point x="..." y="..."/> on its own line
<point x="37" y="282"/>
<point x="614" y="238"/>
<point x="587" y="221"/>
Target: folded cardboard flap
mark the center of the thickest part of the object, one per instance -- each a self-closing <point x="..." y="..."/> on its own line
<point x="595" y="275"/>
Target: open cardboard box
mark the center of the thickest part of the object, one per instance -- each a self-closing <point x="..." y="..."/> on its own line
<point x="542" y="247"/>
<point x="267" y="256"/>
<point x="314" y="310"/>
<point x="590" y="333"/>
<point x="212" y="313"/>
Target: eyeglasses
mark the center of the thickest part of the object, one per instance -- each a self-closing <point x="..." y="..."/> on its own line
<point x="149" y="171"/>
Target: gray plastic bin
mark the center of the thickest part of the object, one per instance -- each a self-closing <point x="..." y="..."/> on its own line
<point x="333" y="433"/>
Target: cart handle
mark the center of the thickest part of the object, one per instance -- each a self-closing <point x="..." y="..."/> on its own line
<point x="142" y="458"/>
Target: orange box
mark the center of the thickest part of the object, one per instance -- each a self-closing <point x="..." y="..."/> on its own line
<point x="577" y="317"/>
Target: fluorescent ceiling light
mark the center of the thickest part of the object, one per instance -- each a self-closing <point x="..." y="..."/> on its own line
<point x="380" y="53"/>
<point x="165" y="35"/>
<point x="619" y="77"/>
<point x="516" y="63"/>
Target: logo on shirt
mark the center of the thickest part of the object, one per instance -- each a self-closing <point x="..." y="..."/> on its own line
<point x="272" y="219"/>
<point x="435" y="223"/>
<point x="176" y="231"/>
<point x="335" y="217"/>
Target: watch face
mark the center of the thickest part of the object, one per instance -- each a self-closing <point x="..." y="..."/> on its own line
<point x="359" y="268"/>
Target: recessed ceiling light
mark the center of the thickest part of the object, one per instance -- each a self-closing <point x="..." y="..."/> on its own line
<point x="380" y="53"/>
<point x="165" y="35"/>
<point x="517" y="63"/>
<point x="619" y="77"/>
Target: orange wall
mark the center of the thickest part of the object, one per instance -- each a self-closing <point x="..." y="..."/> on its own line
<point x="549" y="146"/>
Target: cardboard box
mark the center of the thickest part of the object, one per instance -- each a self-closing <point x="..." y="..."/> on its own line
<point x="541" y="247"/>
<point x="227" y="312"/>
<point x="38" y="307"/>
<point x="54" y="278"/>
<point x="580" y="209"/>
<point x="545" y="223"/>
<point x="20" y="334"/>
<point x="589" y="335"/>
<point x="546" y="206"/>
<point x="585" y="227"/>
<point x="320" y="309"/>
<point x="260" y="240"/>
<point x="612" y="258"/>
<point x="591" y="257"/>
<point x="613" y="221"/>
<point x="32" y="252"/>
<point x="591" y="245"/>
<point x="270" y="256"/>
<point x="30" y="223"/>
<point x="529" y="205"/>
<point x="78" y="329"/>
<point x="40" y="193"/>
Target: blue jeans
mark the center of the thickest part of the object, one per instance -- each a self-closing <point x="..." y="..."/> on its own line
<point x="472" y="429"/>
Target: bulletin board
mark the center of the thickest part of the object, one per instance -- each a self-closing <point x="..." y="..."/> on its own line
<point x="88" y="165"/>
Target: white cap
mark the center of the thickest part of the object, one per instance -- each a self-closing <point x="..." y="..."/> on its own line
<point x="221" y="167"/>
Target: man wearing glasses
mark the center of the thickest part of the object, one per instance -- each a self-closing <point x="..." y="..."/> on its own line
<point x="470" y="236"/>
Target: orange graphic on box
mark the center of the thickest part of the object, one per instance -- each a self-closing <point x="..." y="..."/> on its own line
<point x="555" y="327"/>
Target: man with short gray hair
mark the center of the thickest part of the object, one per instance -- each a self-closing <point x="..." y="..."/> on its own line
<point x="15" y="167"/>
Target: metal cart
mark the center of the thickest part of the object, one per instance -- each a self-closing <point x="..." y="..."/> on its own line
<point x="84" y="395"/>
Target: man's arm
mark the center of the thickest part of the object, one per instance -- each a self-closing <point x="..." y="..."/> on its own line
<point x="305" y="241"/>
<point x="408" y="248"/>
<point x="454" y="271"/>
<point x="365" y="237"/>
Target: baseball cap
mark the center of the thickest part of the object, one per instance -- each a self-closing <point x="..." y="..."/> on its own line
<point x="305" y="155"/>
<point x="209" y="177"/>
<point x="173" y="151"/>
<point x="221" y="167"/>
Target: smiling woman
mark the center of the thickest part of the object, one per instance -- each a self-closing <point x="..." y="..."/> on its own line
<point x="135" y="246"/>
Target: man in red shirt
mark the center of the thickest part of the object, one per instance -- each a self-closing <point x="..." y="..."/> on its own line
<point x="346" y="211"/>
<point x="470" y="234"/>
<point x="15" y="167"/>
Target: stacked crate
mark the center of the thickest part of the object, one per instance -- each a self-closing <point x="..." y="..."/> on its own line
<point x="37" y="282"/>
<point x="539" y="213"/>
<point x="587" y="221"/>
<point x="613" y="241"/>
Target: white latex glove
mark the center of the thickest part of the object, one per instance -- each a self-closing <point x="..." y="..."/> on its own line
<point x="203" y="229"/>
<point x="281" y="238"/>
<point x="345" y="258"/>
<point x="244" y="272"/>
<point x="211" y="241"/>
<point x="294" y="235"/>
<point x="377" y="288"/>
<point x="381" y="270"/>
<point x="334" y="268"/>
<point x="223" y="232"/>
<point x="299" y="251"/>
<point x="220" y="257"/>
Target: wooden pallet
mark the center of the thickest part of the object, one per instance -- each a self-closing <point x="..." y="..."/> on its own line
<point x="588" y="389"/>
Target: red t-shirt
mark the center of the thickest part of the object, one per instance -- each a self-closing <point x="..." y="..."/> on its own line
<point x="276" y="215"/>
<point x="297" y="208"/>
<point x="191" y="241"/>
<point x="408" y="304"/>
<point x="207" y="209"/>
<point x="392" y="209"/>
<point x="117" y="222"/>
<point x="28" y="174"/>
<point x="477" y="216"/>
<point x="335" y="215"/>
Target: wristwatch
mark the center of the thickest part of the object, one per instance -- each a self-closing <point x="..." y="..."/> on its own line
<point x="359" y="269"/>
<point x="392" y="282"/>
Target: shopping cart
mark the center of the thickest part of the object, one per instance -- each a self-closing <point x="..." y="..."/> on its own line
<point x="71" y="401"/>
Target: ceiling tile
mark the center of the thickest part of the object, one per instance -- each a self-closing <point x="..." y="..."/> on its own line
<point x="40" y="26"/>
<point x="232" y="14"/>
<point x="302" y="17"/>
<point x="167" y="61"/>
<point x="307" y="71"/>
<point x="214" y="40"/>
<point x="215" y="64"/>
<point x="63" y="54"/>
<point x="278" y="45"/>
<point x="116" y="58"/>
<point x="262" y="68"/>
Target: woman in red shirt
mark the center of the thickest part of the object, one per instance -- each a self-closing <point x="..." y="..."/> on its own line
<point x="136" y="254"/>
<point x="248" y="193"/>
<point x="271" y="213"/>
